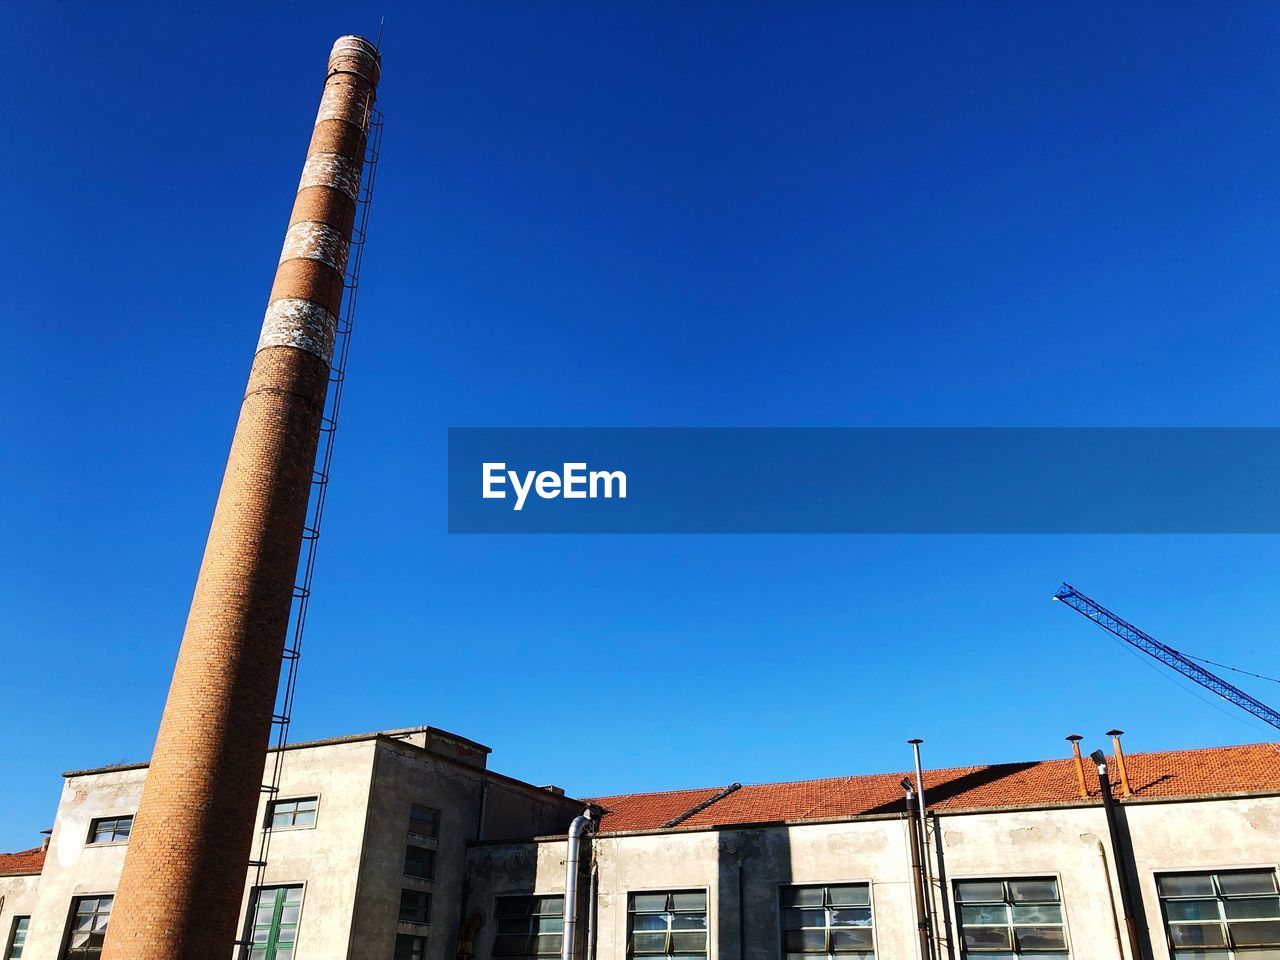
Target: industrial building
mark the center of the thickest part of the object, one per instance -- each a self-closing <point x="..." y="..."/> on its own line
<point x="404" y="844"/>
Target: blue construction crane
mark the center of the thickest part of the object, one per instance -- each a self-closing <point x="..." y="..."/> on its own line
<point x="1165" y="654"/>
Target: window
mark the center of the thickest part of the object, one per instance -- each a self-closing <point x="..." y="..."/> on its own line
<point x="826" y="921"/>
<point x="419" y="862"/>
<point x="529" y="926"/>
<point x="273" y="923"/>
<point x="18" y="939"/>
<point x="424" y="821"/>
<point x="1001" y="919"/>
<point x="110" y="830"/>
<point x="668" y="924"/>
<point x="89" y="916"/>
<point x="415" y="906"/>
<point x="1221" y="916"/>
<point x="301" y="812"/>
<point x="410" y="947"/>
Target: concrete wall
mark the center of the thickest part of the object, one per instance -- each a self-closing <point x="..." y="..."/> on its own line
<point x="18" y="898"/>
<point x="459" y="790"/>
<point x="73" y="867"/>
<point x="1060" y="843"/>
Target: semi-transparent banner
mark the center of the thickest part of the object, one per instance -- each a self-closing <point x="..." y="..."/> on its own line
<point x="865" y="480"/>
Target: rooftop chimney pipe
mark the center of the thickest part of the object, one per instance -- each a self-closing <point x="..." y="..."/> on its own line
<point x="1074" y="739"/>
<point x="1115" y="736"/>
<point x="184" y="874"/>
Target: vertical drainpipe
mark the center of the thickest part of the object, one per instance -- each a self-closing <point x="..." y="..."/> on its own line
<point x="917" y="871"/>
<point x="581" y="824"/>
<point x="926" y="875"/>
<point x="1128" y="897"/>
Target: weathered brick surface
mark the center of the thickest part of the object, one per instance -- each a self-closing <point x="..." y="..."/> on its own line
<point x="179" y="896"/>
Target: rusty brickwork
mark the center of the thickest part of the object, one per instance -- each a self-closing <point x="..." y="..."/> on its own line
<point x="179" y="897"/>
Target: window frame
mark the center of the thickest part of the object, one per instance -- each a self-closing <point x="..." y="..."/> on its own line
<point x="268" y="820"/>
<point x="11" y="943"/>
<point x="414" y="936"/>
<point x="435" y="835"/>
<point x="1218" y="897"/>
<point x="431" y="852"/>
<point x="630" y="954"/>
<point x="417" y="893"/>
<point x="1004" y="878"/>
<point x="73" y="911"/>
<point x="250" y="908"/>
<point x="778" y="908"/>
<point x="531" y="933"/>
<point x="115" y="841"/>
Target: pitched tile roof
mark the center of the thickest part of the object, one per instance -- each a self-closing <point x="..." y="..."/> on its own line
<point x="1214" y="771"/>
<point x="22" y="863"/>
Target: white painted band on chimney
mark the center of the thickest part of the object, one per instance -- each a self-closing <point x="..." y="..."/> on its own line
<point x="342" y="101"/>
<point x="331" y="170"/>
<point x="310" y="240"/>
<point x="298" y="323"/>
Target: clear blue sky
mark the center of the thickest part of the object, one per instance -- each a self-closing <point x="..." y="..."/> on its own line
<point x="638" y="214"/>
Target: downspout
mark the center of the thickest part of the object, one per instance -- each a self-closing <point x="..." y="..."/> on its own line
<point x="593" y="890"/>
<point x="581" y="824"/>
<point x="926" y="875"/>
<point x="1111" y="898"/>
<point x="1118" y="855"/>
<point x="917" y="871"/>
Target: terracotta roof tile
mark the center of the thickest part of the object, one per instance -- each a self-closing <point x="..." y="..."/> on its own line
<point x="1253" y="768"/>
<point x="22" y="863"/>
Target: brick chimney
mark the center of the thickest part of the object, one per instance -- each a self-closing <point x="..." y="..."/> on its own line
<point x="188" y="857"/>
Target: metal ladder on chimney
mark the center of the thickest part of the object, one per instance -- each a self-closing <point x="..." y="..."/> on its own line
<point x="315" y="509"/>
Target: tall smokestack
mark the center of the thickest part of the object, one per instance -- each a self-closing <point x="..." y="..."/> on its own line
<point x="185" y="872"/>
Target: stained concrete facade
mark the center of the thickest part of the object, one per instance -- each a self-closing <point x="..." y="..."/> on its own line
<point x="742" y="869"/>
<point x="350" y="861"/>
<point x="502" y="837"/>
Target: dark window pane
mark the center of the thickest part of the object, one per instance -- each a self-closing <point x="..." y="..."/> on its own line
<point x="850" y="939"/>
<point x="850" y="916"/>
<point x="419" y="862"/>
<point x="407" y="947"/>
<point x="1192" y="909"/>
<point x="1256" y="933"/>
<point x="984" y="913"/>
<point x="548" y="945"/>
<point x="987" y="938"/>
<point x="1253" y="908"/>
<point x="1197" y="935"/>
<point x="511" y="946"/>
<point x="802" y="896"/>
<point x="415" y="906"/>
<point x="856" y="895"/>
<point x="650" y="921"/>
<point x="1037" y="913"/>
<point x="514" y="906"/>
<point x="548" y="906"/>
<point x="970" y="890"/>
<point x="1247" y="881"/>
<point x="649" y="942"/>
<point x="1186" y="885"/>
<point x="688" y="921"/>
<point x="696" y="900"/>
<point x="1024" y="890"/>
<point x="805" y="941"/>
<point x="688" y="941"/>
<point x="1040" y="938"/>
